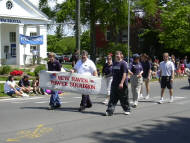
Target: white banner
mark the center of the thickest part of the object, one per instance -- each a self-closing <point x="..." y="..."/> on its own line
<point x="73" y="82"/>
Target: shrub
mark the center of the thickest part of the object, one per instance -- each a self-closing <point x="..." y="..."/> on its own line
<point x="16" y="73"/>
<point x="31" y="73"/>
<point x="5" y="70"/>
<point x="38" y="69"/>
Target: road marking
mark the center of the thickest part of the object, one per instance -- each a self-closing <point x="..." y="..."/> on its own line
<point x="76" y="97"/>
<point x="41" y="102"/>
<point x="39" y="131"/>
<point x="20" y="99"/>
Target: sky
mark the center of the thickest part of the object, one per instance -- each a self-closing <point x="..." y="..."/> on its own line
<point x="67" y="30"/>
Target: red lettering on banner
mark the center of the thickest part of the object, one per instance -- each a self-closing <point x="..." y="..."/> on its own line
<point x="59" y="83"/>
<point x="81" y="85"/>
<point x="78" y="79"/>
<point x="63" y="77"/>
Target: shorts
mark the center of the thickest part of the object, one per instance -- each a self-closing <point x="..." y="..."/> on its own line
<point x="145" y="79"/>
<point x="10" y="93"/>
<point x="166" y="82"/>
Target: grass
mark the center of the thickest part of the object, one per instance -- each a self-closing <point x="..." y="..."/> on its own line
<point x="2" y="90"/>
<point x="68" y="66"/>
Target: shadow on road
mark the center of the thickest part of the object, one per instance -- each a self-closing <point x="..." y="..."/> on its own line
<point x="174" y="131"/>
<point x="42" y="108"/>
<point x="185" y="88"/>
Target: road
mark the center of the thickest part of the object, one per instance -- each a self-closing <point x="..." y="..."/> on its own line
<point x="28" y="120"/>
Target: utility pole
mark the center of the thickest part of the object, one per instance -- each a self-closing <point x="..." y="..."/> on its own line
<point x="78" y="25"/>
<point x="129" y="29"/>
<point x="93" y="30"/>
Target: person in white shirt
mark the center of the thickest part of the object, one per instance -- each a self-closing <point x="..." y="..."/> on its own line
<point x="85" y="67"/>
<point x="166" y="77"/>
<point x="11" y="88"/>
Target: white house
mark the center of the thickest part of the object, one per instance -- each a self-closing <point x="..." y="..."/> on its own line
<point x="21" y="17"/>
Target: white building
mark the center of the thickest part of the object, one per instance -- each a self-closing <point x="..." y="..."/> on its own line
<point x="21" y="17"/>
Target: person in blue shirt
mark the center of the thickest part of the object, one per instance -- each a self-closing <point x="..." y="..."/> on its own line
<point x="119" y="86"/>
<point x="136" y="71"/>
<point x="54" y="65"/>
<point x="146" y="75"/>
<point x="107" y="73"/>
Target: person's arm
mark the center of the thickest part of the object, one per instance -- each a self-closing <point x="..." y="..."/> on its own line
<point x="123" y="80"/>
<point x="173" y="73"/>
<point x="95" y="73"/>
<point x="141" y="72"/>
<point x="125" y="71"/>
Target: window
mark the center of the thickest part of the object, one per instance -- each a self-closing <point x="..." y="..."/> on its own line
<point x="12" y="37"/>
<point x="108" y="36"/>
<point x="13" y="50"/>
<point x="33" y="47"/>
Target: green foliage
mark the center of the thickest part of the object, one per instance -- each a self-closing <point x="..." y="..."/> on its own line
<point x="148" y="6"/>
<point x="64" y="45"/>
<point x="85" y="41"/>
<point x="112" y="48"/>
<point x="176" y="26"/>
<point x="31" y="73"/>
<point x="5" y="70"/>
<point x="38" y="69"/>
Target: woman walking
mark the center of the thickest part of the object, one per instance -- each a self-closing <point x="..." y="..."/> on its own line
<point x="107" y="73"/>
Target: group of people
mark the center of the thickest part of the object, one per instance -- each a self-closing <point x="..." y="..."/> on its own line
<point x="117" y="74"/>
<point x="23" y="88"/>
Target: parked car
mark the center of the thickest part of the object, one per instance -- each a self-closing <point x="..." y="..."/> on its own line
<point x="66" y="59"/>
<point x="59" y="58"/>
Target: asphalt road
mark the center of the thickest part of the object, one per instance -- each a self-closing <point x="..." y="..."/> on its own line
<point x="28" y="120"/>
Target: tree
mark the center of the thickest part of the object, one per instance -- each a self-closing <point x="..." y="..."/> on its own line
<point x="176" y="26"/>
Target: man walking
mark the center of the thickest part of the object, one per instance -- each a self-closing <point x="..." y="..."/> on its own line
<point x="54" y="65"/>
<point x="119" y="87"/>
<point x="85" y="67"/>
<point x="167" y="77"/>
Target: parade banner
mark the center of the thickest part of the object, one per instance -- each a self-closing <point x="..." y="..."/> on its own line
<point x="73" y="82"/>
<point x="33" y="40"/>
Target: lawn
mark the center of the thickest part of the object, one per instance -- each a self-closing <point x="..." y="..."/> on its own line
<point x="68" y="66"/>
<point x="2" y="90"/>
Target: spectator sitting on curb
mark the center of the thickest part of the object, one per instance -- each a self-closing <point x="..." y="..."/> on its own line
<point x="11" y="88"/>
<point x="36" y="87"/>
<point x="25" y="84"/>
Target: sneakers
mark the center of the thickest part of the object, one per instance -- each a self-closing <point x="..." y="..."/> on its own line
<point x="171" y="99"/>
<point x="25" y="95"/>
<point x="135" y="104"/>
<point x="127" y="112"/>
<point x="161" y="100"/>
<point x="140" y="96"/>
<point x="108" y="113"/>
<point x="81" y="109"/>
<point x="105" y="101"/>
<point x="147" y="97"/>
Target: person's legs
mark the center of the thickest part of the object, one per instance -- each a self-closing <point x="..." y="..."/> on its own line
<point x="147" y="85"/>
<point x="112" y="102"/>
<point x="124" y="99"/>
<point x="54" y="99"/>
<point x="88" y="102"/>
<point x="133" y="87"/>
<point x="109" y="82"/>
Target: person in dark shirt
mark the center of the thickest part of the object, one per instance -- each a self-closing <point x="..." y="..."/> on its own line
<point x="136" y="72"/>
<point x="119" y="86"/>
<point x="54" y="65"/>
<point x="107" y="73"/>
<point x="75" y="57"/>
<point x="146" y="74"/>
<point x="24" y="83"/>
